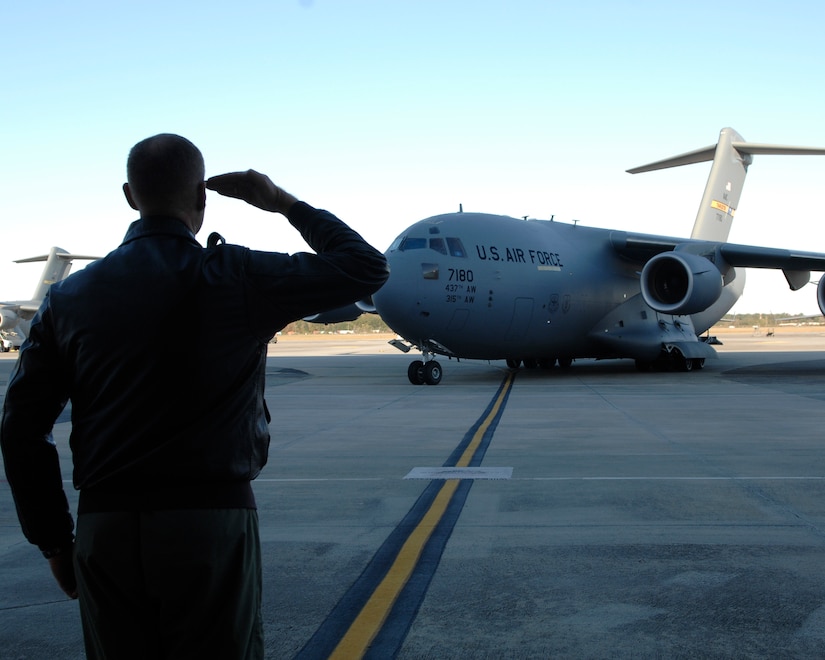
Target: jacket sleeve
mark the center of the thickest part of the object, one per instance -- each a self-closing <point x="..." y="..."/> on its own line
<point x="34" y="398"/>
<point x="344" y="269"/>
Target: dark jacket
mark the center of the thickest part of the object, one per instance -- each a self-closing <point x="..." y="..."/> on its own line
<point x="161" y="347"/>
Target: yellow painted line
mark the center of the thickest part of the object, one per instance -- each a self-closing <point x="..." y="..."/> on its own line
<point x="467" y="456"/>
<point x="368" y="623"/>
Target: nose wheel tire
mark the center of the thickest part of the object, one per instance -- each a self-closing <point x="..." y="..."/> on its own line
<point x="432" y="372"/>
<point x="421" y="373"/>
<point x="415" y="372"/>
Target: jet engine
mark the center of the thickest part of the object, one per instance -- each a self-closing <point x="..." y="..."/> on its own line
<point x="8" y="319"/>
<point x="680" y="283"/>
<point x="337" y="315"/>
<point x="820" y="294"/>
<point x="346" y="313"/>
<point x="366" y="305"/>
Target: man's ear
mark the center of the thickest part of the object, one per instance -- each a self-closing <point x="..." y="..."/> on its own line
<point x="201" y="200"/>
<point x="127" y="191"/>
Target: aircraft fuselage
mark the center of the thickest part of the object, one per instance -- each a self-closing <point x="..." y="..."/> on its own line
<point x="491" y="287"/>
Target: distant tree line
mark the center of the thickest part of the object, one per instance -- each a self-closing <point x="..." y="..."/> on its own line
<point x="363" y="325"/>
<point x="372" y="323"/>
<point x="769" y="320"/>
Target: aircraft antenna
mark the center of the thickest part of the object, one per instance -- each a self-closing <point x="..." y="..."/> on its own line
<point x="461" y="208"/>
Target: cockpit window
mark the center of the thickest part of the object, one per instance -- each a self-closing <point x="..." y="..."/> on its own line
<point x="437" y="244"/>
<point x="456" y="248"/>
<point x="410" y="243"/>
<point x="451" y="246"/>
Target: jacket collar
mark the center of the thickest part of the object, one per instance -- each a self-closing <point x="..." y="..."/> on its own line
<point x="158" y="226"/>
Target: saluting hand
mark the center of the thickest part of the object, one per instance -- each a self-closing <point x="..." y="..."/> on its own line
<point x="253" y="188"/>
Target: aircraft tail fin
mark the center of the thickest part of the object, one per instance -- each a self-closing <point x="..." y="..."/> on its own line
<point x="731" y="156"/>
<point x="58" y="264"/>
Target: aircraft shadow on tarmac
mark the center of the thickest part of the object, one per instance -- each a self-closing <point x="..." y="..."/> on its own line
<point x="801" y="377"/>
<point x="283" y="376"/>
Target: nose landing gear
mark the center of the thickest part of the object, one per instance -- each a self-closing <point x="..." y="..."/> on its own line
<point x="420" y="372"/>
<point x="427" y="371"/>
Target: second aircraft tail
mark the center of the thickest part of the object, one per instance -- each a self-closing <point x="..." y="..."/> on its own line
<point x="58" y="264"/>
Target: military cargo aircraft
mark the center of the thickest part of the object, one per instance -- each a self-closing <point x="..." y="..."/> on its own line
<point x="18" y="314"/>
<point x="541" y="293"/>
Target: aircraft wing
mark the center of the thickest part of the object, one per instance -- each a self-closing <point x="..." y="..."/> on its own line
<point x="641" y="247"/>
<point x="11" y="313"/>
<point x="796" y="264"/>
<point x="749" y="256"/>
<point x="25" y="307"/>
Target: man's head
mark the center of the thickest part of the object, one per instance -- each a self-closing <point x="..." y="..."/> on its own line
<point x="165" y="176"/>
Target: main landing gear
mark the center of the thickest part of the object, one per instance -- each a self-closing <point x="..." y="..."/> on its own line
<point x="426" y="371"/>
<point x="671" y="361"/>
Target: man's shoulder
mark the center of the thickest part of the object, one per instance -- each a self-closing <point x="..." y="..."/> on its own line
<point x="225" y="254"/>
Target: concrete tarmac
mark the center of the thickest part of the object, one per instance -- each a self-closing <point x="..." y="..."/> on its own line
<point x="594" y="512"/>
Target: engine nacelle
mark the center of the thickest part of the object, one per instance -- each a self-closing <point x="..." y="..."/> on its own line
<point x="338" y="315"/>
<point x="346" y="313"/>
<point x="366" y="305"/>
<point x="680" y="283"/>
<point x="820" y="294"/>
<point x="8" y="319"/>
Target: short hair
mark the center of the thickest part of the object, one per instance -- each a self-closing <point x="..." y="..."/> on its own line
<point x="163" y="168"/>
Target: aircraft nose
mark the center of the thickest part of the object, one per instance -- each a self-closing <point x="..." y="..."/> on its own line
<point x="399" y="301"/>
<point x="389" y="299"/>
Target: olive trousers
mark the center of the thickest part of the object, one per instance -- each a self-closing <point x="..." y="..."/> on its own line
<point x="170" y="584"/>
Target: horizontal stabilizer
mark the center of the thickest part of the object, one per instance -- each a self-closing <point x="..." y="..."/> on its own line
<point x="756" y="149"/>
<point x="698" y="156"/>
<point x="707" y="154"/>
<point x="62" y="256"/>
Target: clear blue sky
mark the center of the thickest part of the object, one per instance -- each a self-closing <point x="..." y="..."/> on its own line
<point x="389" y="111"/>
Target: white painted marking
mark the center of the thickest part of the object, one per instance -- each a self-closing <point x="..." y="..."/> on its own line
<point x="460" y="473"/>
<point x="766" y="478"/>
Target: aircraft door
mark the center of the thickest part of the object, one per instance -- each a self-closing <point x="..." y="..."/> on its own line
<point x="459" y="320"/>
<point x="522" y="313"/>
